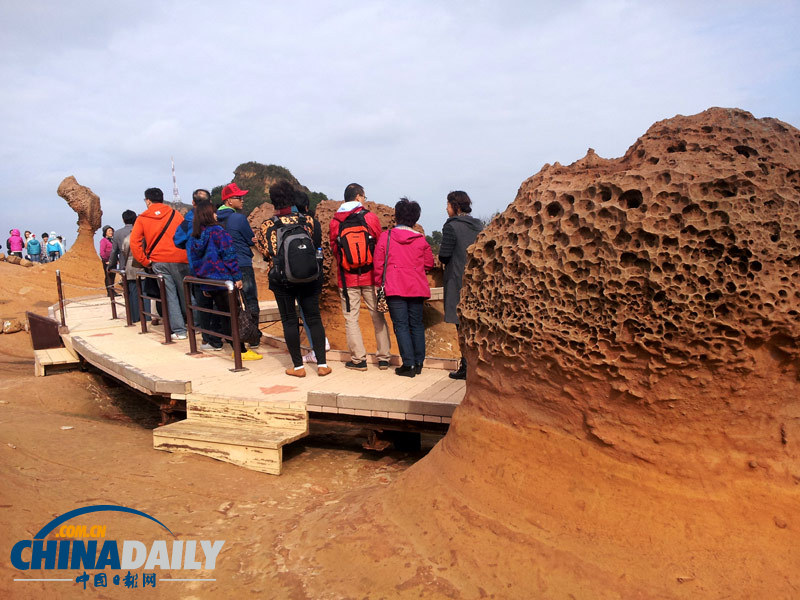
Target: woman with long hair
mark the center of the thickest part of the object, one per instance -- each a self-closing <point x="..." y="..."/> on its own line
<point x="289" y="240"/>
<point x="212" y="256"/>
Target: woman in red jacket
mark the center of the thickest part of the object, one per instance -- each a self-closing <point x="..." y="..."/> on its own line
<point x="405" y="256"/>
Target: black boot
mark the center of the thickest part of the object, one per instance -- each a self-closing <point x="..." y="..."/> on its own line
<point x="461" y="373"/>
<point x="405" y="371"/>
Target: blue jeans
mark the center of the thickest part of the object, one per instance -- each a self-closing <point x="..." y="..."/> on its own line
<point x="133" y="297"/>
<point x="406" y="316"/>
<point x="173" y="286"/>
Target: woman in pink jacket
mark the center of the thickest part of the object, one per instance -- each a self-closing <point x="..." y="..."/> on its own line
<point x="105" y="254"/>
<point x="409" y="257"/>
<point x="15" y="243"/>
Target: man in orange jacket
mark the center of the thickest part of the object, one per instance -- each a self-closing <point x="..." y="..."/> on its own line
<point x="152" y="245"/>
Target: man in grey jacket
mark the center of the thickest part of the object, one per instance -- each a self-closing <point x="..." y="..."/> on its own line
<point x="120" y="249"/>
<point x="459" y="232"/>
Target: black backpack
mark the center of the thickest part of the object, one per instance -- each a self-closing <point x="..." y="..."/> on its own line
<point x="296" y="259"/>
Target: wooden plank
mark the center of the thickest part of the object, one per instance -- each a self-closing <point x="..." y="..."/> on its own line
<point x="431" y="391"/>
<point x="400" y="405"/>
<point x="259" y="437"/>
<point x="243" y="415"/>
<point x="456" y="396"/>
<point x="264" y="460"/>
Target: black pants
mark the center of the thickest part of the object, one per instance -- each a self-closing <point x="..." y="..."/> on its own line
<point x="307" y="296"/>
<point x="218" y="299"/>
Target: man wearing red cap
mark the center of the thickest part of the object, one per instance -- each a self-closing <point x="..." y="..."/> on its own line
<point x="235" y="223"/>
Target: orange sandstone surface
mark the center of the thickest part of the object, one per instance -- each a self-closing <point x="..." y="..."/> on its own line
<point x="632" y="421"/>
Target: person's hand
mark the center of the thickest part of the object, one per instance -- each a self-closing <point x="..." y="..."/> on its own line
<point x="238" y="284"/>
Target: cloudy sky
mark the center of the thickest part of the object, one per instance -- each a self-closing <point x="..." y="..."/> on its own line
<point x="410" y="98"/>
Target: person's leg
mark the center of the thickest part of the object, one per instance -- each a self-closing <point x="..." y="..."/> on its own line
<point x="355" y="343"/>
<point x="285" y="299"/>
<point x="461" y="372"/>
<point x="250" y="291"/>
<point x="415" y="309"/>
<point x="133" y="299"/>
<point x="219" y="300"/>
<point x="306" y="328"/>
<point x="398" y="310"/>
<point x="382" y="339"/>
<point x="176" y="321"/>
<point x="203" y="301"/>
<point x="309" y="305"/>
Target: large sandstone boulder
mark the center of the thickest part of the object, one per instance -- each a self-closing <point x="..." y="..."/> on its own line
<point x="635" y="298"/>
<point x="82" y="254"/>
<point x="83" y="201"/>
<point x="631" y="426"/>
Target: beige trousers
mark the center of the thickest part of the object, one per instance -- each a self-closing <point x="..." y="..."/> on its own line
<point x="355" y="342"/>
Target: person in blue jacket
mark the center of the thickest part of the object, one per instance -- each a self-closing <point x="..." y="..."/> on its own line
<point x="235" y="223"/>
<point x="201" y="319"/>
<point x="212" y="256"/>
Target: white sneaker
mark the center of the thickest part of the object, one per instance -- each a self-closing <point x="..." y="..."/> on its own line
<point x="310" y="357"/>
<point x="179" y="336"/>
<point x="210" y="348"/>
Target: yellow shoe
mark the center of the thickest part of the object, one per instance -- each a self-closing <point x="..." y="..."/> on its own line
<point x="250" y="355"/>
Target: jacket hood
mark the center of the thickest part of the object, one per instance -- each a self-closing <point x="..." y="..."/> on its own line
<point x="468" y="220"/>
<point x="223" y="214"/>
<point x="15" y="232"/>
<point x="158" y="211"/>
<point x="346" y="209"/>
<point x="401" y="235"/>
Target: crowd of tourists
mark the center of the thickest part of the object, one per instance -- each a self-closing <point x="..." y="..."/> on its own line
<point x="47" y="248"/>
<point x="384" y="270"/>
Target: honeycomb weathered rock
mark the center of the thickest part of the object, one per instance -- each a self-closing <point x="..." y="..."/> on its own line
<point x="680" y="258"/>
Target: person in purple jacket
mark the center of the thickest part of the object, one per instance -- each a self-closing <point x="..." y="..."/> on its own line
<point x="212" y="255"/>
<point x="409" y="258"/>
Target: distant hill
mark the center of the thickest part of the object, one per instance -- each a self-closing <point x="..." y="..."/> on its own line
<point x="257" y="179"/>
<point x="181" y="207"/>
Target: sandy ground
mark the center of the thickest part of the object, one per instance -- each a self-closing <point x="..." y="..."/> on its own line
<point x="107" y="458"/>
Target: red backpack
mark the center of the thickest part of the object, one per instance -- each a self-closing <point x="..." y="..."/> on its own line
<point x="356" y="245"/>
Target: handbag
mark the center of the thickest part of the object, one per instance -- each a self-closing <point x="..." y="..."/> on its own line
<point x="248" y="327"/>
<point x="381" y="305"/>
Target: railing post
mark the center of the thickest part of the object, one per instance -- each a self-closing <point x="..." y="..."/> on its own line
<point x="164" y="309"/>
<point x="113" y="304"/>
<point x="141" y="302"/>
<point x="187" y="293"/>
<point x="233" y="307"/>
<point x="126" y="297"/>
<point x="61" y="298"/>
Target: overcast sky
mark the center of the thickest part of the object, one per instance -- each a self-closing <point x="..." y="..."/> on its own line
<point x="411" y="98"/>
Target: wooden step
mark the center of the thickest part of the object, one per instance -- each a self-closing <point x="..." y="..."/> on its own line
<point x="52" y="357"/>
<point x="256" y="448"/>
<point x="255" y="415"/>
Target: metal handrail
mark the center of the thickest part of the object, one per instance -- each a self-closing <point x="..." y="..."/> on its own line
<point x="125" y="296"/>
<point x="233" y="314"/>
<point x="162" y="298"/>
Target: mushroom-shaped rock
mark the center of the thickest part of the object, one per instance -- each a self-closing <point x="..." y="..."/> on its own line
<point x="631" y="426"/>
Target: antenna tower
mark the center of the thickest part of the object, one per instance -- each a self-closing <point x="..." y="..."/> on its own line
<point x="176" y="196"/>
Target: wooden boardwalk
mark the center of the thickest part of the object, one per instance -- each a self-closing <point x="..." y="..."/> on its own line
<point x="246" y="417"/>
